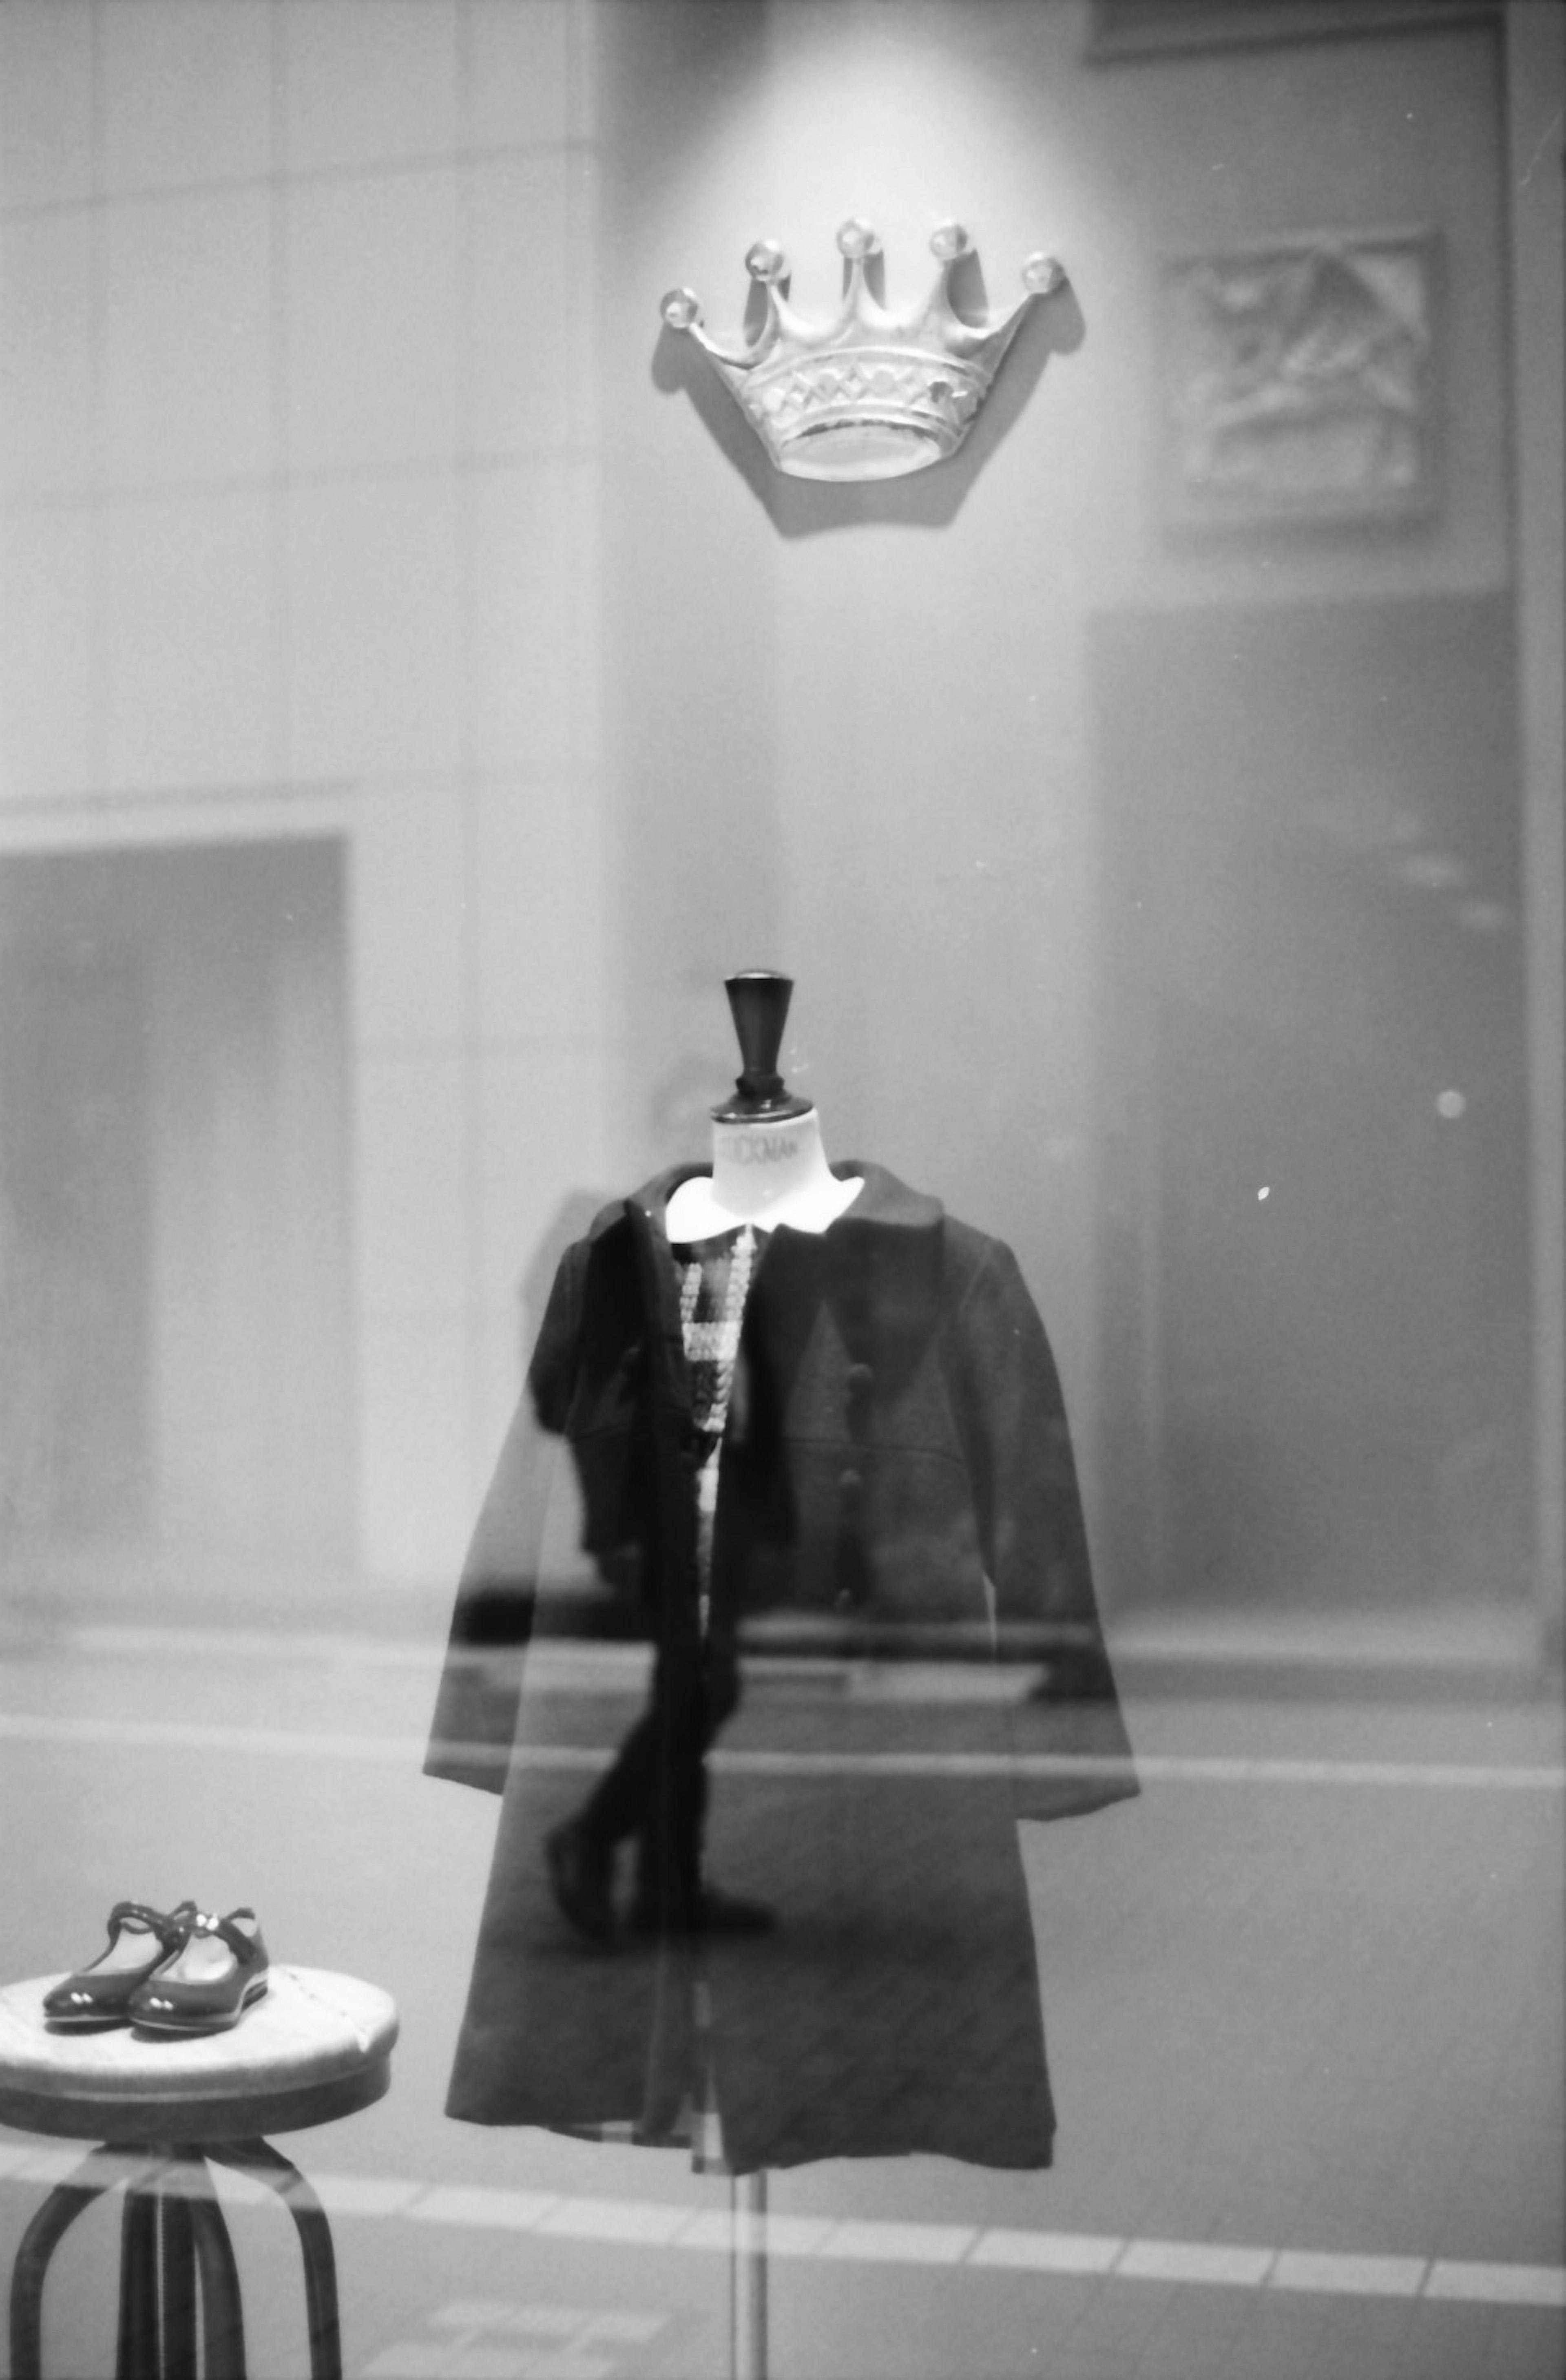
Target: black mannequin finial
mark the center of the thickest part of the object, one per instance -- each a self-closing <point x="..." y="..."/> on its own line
<point x="759" y="998"/>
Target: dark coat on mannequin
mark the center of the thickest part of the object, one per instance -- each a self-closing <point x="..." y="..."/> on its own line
<point x="899" y="1487"/>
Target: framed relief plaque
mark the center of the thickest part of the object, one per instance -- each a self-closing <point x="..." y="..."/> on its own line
<point x="1298" y="382"/>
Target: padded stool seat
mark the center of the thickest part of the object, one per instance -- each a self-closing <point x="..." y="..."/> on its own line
<point x="316" y="2047"/>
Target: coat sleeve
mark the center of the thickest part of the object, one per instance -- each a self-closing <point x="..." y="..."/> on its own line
<point x="476" y="1709"/>
<point x="1069" y="1740"/>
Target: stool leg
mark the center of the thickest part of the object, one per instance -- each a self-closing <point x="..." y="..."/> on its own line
<point x="176" y="2278"/>
<point x="222" y="2321"/>
<point x="64" y="2202"/>
<point x="139" y="2354"/>
<point x="260" y="2158"/>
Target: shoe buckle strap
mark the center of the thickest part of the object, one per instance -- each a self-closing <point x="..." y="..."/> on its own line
<point x="136" y="1912"/>
<point x="224" y="1930"/>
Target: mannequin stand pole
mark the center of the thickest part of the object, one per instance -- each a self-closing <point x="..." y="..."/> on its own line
<point x="747" y="2295"/>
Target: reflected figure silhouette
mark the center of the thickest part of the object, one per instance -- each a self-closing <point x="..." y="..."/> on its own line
<point x="769" y="1167"/>
<point x="669" y="1889"/>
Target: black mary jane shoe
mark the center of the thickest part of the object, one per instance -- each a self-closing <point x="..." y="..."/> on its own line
<point x="217" y="1971"/>
<point x="140" y="1940"/>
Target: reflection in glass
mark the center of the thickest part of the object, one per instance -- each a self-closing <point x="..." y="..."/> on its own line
<point x="824" y="1471"/>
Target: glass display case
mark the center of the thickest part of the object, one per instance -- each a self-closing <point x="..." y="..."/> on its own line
<point x="982" y="1510"/>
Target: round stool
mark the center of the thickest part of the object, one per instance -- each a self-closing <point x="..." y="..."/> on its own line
<point x="317" y="2047"/>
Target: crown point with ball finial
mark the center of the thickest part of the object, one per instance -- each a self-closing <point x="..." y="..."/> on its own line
<point x="857" y="239"/>
<point x="765" y="261"/>
<point x="681" y="309"/>
<point x="1043" y="275"/>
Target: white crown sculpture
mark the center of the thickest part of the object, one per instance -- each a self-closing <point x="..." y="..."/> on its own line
<point x="871" y="394"/>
